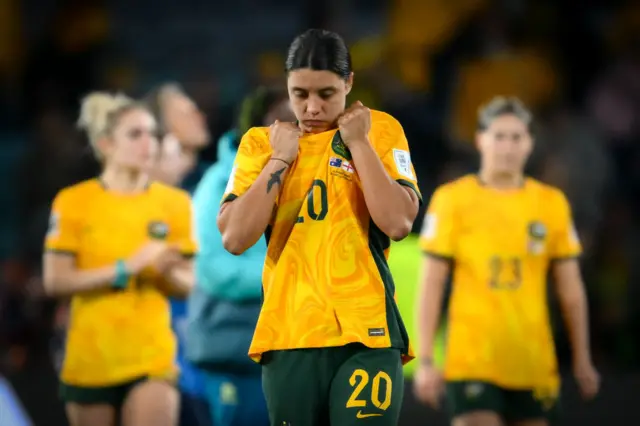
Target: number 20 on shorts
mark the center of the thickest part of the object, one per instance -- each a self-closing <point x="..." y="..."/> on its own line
<point x="359" y="380"/>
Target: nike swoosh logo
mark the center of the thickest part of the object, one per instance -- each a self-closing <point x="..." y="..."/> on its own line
<point x="361" y="415"/>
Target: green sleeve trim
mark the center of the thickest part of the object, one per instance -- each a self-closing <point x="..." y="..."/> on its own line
<point x="63" y="252"/>
<point x="437" y="255"/>
<point x="228" y="198"/>
<point x="565" y="258"/>
<point x="412" y="186"/>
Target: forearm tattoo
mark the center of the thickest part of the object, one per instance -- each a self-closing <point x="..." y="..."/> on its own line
<point x="274" y="179"/>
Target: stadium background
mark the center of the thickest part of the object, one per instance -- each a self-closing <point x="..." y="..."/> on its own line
<point x="430" y="63"/>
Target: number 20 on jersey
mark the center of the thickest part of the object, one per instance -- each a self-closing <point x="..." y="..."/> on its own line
<point x="317" y="194"/>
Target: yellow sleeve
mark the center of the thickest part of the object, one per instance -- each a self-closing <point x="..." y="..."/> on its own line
<point x="184" y="234"/>
<point x="437" y="237"/>
<point x="65" y="224"/>
<point x="253" y="154"/>
<point x="564" y="241"/>
<point x="397" y="160"/>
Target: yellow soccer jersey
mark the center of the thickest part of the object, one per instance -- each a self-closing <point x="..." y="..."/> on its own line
<point x="502" y="243"/>
<point x="326" y="281"/>
<point x="118" y="335"/>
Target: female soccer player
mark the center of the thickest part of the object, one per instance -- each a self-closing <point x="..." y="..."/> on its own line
<point x="329" y="193"/>
<point x="117" y="245"/>
<point x="179" y="116"/>
<point x="501" y="232"/>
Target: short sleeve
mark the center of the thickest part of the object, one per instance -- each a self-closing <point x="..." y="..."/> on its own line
<point x="437" y="237"/>
<point x="565" y="242"/>
<point x="253" y="153"/>
<point x="397" y="160"/>
<point x="184" y="234"/>
<point x="63" y="234"/>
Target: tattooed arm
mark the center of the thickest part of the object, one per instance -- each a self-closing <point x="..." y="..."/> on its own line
<point x="243" y="220"/>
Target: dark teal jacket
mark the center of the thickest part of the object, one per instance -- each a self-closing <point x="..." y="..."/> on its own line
<point x="224" y="307"/>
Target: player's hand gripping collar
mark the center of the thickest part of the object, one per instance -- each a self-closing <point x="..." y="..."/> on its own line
<point x="355" y="124"/>
<point x="284" y="139"/>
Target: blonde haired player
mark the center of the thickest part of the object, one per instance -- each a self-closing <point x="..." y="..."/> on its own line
<point x="118" y="244"/>
<point x="503" y="232"/>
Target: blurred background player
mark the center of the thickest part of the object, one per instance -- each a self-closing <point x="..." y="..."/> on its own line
<point x="502" y="232"/>
<point x="177" y="114"/>
<point x="224" y="307"/>
<point x="117" y="244"/>
<point x="329" y="337"/>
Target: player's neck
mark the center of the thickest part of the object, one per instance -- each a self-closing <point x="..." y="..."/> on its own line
<point x="502" y="181"/>
<point x="124" y="181"/>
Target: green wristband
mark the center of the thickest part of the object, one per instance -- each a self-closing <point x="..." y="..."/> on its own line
<point x="122" y="276"/>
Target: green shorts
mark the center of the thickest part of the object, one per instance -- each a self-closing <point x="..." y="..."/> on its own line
<point x="464" y="397"/>
<point x="340" y="385"/>
<point x="110" y="395"/>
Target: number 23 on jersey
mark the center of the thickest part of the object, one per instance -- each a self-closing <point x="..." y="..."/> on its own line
<point x="505" y="273"/>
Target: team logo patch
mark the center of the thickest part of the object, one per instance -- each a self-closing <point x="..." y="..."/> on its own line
<point x="158" y="230"/>
<point x="402" y="159"/>
<point x="537" y="230"/>
<point x="537" y="233"/>
<point x="338" y="146"/>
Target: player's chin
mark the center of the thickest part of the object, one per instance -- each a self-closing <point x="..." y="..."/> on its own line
<point x="509" y="168"/>
<point x="146" y="165"/>
<point x="315" y="130"/>
<point x="317" y="126"/>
